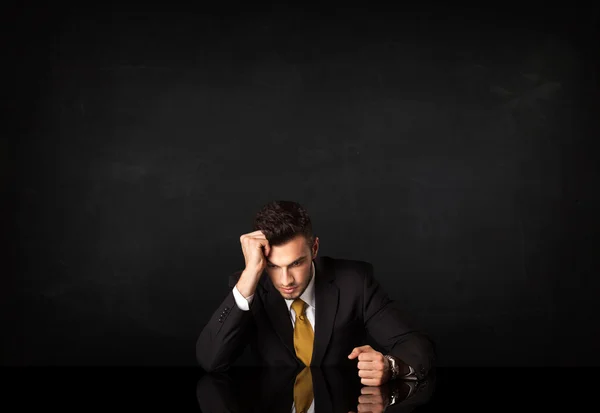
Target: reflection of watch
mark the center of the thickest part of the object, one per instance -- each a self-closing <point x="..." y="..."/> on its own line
<point x="394" y="367"/>
<point x="394" y="396"/>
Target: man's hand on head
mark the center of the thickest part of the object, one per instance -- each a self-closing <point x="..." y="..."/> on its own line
<point x="373" y="367"/>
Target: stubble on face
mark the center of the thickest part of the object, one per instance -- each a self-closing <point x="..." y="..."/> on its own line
<point x="298" y="293"/>
<point x="285" y="254"/>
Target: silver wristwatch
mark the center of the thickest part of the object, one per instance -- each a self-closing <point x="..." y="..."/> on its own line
<point x="394" y="367"/>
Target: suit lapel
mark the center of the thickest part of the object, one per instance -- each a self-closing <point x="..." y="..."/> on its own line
<point x="322" y="397"/>
<point x="280" y="319"/>
<point x="326" y="305"/>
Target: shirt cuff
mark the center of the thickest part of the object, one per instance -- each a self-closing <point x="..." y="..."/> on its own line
<point x="242" y="302"/>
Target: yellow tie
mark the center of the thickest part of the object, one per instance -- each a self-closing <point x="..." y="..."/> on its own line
<point x="303" y="390"/>
<point x="303" y="333"/>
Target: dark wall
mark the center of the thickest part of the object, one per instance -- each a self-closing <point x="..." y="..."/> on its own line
<point x="452" y="149"/>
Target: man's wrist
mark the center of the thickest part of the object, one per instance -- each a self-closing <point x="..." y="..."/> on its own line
<point x="393" y="366"/>
<point x="397" y="368"/>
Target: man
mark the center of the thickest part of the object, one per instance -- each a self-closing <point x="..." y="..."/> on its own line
<point x="293" y="308"/>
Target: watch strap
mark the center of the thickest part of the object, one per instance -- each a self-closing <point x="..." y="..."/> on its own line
<point x="395" y="369"/>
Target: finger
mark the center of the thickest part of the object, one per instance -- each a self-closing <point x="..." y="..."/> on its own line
<point x="370" y="381"/>
<point x="370" y="399"/>
<point x="369" y="356"/>
<point x="254" y="234"/>
<point x="258" y="242"/>
<point x="355" y="352"/>
<point x="371" y="408"/>
<point x="370" y="374"/>
<point x="267" y="249"/>
<point x="367" y="408"/>
<point x="366" y="365"/>
<point x="258" y="236"/>
<point x="257" y="232"/>
<point x="253" y="240"/>
<point x="377" y="365"/>
<point x="370" y="390"/>
<point x="375" y="362"/>
<point x="358" y="350"/>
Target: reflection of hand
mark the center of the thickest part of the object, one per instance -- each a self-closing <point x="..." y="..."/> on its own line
<point x="372" y="366"/>
<point x="374" y="399"/>
<point x="379" y="398"/>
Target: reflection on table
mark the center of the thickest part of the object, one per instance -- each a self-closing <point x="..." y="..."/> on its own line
<point x="307" y="390"/>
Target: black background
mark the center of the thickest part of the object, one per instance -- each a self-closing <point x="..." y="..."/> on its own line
<point x="452" y="148"/>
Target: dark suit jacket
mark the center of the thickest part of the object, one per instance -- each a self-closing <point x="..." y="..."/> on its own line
<point x="351" y="308"/>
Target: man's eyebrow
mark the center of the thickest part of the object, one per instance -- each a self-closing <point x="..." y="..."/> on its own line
<point x="297" y="259"/>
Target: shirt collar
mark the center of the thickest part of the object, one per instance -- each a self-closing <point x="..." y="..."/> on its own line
<point x="308" y="296"/>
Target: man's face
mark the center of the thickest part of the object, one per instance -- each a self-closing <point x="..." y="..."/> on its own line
<point x="290" y="266"/>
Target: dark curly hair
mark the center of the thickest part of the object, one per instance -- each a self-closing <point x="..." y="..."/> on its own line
<point x="283" y="220"/>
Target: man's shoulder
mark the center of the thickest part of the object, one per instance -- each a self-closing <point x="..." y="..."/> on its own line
<point x="348" y="269"/>
<point x="346" y="264"/>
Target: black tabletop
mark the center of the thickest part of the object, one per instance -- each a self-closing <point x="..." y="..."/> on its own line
<point x="271" y="390"/>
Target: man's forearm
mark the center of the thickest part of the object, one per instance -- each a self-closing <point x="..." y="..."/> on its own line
<point x="224" y="337"/>
<point x="415" y="355"/>
<point x="385" y="323"/>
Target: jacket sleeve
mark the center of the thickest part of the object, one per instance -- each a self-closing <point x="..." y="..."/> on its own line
<point x="386" y="324"/>
<point x="226" y="334"/>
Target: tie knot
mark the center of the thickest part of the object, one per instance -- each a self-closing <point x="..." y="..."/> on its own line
<point x="298" y="306"/>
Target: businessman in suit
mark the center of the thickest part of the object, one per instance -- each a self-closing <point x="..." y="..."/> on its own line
<point x="291" y="307"/>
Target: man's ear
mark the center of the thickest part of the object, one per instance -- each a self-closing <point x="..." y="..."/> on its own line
<point x="315" y="247"/>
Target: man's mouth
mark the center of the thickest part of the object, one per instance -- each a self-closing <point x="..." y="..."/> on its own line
<point x="288" y="290"/>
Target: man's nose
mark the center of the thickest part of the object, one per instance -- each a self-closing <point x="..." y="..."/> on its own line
<point x="286" y="277"/>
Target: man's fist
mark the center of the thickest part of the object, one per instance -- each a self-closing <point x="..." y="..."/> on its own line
<point x="373" y="368"/>
<point x="255" y="248"/>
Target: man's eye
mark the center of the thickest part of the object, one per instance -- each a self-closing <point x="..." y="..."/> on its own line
<point x="293" y="264"/>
